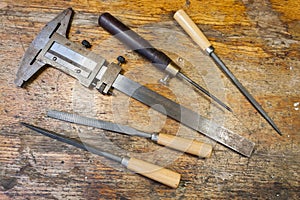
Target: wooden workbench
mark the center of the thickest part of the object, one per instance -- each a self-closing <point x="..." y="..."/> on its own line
<point x="258" y="40"/>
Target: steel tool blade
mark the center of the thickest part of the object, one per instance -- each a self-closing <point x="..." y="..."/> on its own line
<point x="73" y="142"/>
<point x="140" y="45"/>
<point x="184" y="115"/>
<point x="186" y="145"/>
<point x="97" y="123"/>
<point x="244" y="91"/>
<point x="152" y="171"/>
<point x="196" y="34"/>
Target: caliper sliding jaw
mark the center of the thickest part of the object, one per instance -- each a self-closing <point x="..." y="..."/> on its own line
<point x="51" y="47"/>
<point x="90" y="69"/>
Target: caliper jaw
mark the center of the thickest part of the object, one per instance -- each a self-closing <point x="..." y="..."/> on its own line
<point x="90" y="69"/>
<point x="52" y="47"/>
<point x="29" y="65"/>
<point x="107" y="79"/>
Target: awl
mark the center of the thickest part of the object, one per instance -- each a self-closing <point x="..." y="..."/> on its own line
<point x="52" y="48"/>
<point x="149" y="170"/>
<point x="196" y="34"/>
<point x="144" y="48"/>
<point x="190" y="146"/>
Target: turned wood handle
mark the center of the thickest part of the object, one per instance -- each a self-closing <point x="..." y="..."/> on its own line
<point x="192" y="29"/>
<point x="185" y="145"/>
<point x="154" y="172"/>
<point x="133" y="40"/>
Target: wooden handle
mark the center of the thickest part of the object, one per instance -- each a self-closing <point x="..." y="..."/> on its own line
<point x="154" y="172"/>
<point x="185" y="145"/>
<point x="192" y="29"/>
<point x="134" y="41"/>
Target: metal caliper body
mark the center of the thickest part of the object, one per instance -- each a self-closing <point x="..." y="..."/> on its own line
<point x="51" y="47"/>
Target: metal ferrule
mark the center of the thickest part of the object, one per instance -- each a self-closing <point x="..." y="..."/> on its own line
<point x="154" y="137"/>
<point x="125" y="161"/>
<point x="172" y="68"/>
<point x="209" y="50"/>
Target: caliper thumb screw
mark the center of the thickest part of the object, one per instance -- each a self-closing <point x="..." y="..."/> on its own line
<point x="121" y="60"/>
<point x="86" y="44"/>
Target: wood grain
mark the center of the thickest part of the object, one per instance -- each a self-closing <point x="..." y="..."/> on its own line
<point x="192" y="29"/>
<point x="193" y="147"/>
<point x="154" y="172"/>
<point x="258" y="40"/>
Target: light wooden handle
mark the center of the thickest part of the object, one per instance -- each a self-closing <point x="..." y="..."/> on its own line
<point x="154" y="172"/>
<point x="185" y="145"/>
<point x="192" y="29"/>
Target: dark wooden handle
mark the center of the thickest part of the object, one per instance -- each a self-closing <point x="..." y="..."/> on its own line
<point x="133" y="40"/>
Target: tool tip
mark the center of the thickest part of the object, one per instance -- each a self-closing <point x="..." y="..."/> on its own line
<point x="24" y="124"/>
<point x="274" y="126"/>
<point x="229" y="109"/>
<point x="28" y="125"/>
<point x="278" y="131"/>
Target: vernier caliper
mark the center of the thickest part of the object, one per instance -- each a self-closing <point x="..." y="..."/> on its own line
<point x="51" y="47"/>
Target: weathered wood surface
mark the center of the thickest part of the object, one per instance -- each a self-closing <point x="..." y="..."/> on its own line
<point x="259" y="41"/>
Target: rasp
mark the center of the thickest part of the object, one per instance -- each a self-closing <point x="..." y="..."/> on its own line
<point x="181" y="144"/>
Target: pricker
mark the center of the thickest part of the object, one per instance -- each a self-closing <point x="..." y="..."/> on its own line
<point x="145" y="49"/>
<point x="196" y="34"/>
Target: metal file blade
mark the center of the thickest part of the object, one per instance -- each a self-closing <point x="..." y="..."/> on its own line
<point x="196" y="34"/>
<point x="152" y="171"/>
<point x="105" y="125"/>
<point x="184" y="115"/>
<point x="186" y="145"/>
<point x="244" y="91"/>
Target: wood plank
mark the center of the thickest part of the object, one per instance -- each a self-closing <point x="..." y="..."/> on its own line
<point x="258" y="40"/>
